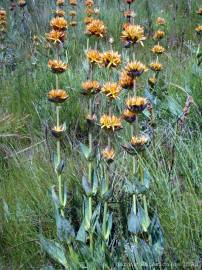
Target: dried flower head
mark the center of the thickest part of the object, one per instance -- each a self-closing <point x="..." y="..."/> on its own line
<point x="22" y="3"/>
<point x="73" y="2"/>
<point x="133" y="34"/>
<point x="57" y="95"/>
<point x="159" y="34"/>
<point x="110" y="123"/>
<point x="152" y="81"/>
<point x="90" y="87"/>
<point x="139" y="142"/>
<point x="198" y="29"/>
<point x="89" y="3"/>
<point x="158" y="49"/>
<point x="88" y="20"/>
<point x="108" y="154"/>
<point x="73" y="23"/>
<point x="126" y="81"/>
<point x="110" y="59"/>
<point x="57" y="66"/>
<point x="59" y="23"/>
<point x="129" y="116"/>
<point x="60" y="3"/>
<point x="93" y="56"/>
<point x="96" y="28"/>
<point x="111" y="90"/>
<point x="72" y="13"/>
<point x="135" y="69"/>
<point x="55" y="36"/>
<point x="58" y="132"/>
<point x="156" y="66"/>
<point x="160" y="21"/>
<point x="136" y="104"/>
<point x="199" y="11"/>
<point x="59" y="13"/>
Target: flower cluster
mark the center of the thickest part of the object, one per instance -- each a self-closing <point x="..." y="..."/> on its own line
<point x="3" y="22"/>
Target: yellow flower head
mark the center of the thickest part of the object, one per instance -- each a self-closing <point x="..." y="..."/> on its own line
<point x="60" y="3"/>
<point x="90" y="87"/>
<point x="96" y="28"/>
<point x="108" y="154"/>
<point x="128" y="116"/>
<point x="160" y="21"/>
<point x="198" y="29"/>
<point x="73" y="2"/>
<point x="73" y="23"/>
<point x="88" y="20"/>
<point x="58" y="132"/>
<point x="136" y="104"/>
<point x="156" y="66"/>
<point x="159" y="34"/>
<point x="89" y="3"/>
<point x="57" y="96"/>
<point x="59" y="23"/>
<point x="135" y="69"/>
<point x="139" y="141"/>
<point x="59" y="13"/>
<point x="57" y="66"/>
<point x="110" y="123"/>
<point x="93" y="56"/>
<point x="126" y="81"/>
<point x="133" y="34"/>
<point x="199" y="11"/>
<point x="158" y="49"/>
<point x="55" y="36"/>
<point x="152" y="81"/>
<point x="110" y="59"/>
<point x="111" y="90"/>
<point x="22" y="3"/>
<point x="72" y="13"/>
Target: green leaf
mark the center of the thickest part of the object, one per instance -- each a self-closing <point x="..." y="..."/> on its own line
<point x="95" y="183"/>
<point x="55" y="197"/>
<point x="147" y="178"/>
<point x="65" y="230"/>
<point x="134" y="225"/>
<point x="60" y="167"/>
<point x="55" y="250"/>
<point x="81" y="234"/>
<point x="86" y="214"/>
<point x="143" y="218"/>
<point x="109" y="227"/>
<point x="174" y="106"/>
<point x="86" y="151"/>
<point x="95" y="217"/>
<point x="135" y="187"/>
<point x="86" y="186"/>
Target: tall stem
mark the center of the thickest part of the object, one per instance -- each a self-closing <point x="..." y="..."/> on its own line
<point x="104" y="224"/>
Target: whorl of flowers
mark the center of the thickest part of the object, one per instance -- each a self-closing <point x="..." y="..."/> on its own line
<point x="136" y="104"/>
<point x="111" y="90"/>
<point x="158" y="49"/>
<point x="96" y="28"/>
<point x="60" y="3"/>
<point x="139" y="141"/>
<point x="110" y="123"/>
<point x="129" y="116"/>
<point x="73" y="2"/>
<point x="110" y="59"/>
<point x="89" y="3"/>
<point x="198" y="29"/>
<point x="135" y="69"/>
<point x="55" y="36"/>
<point x="59" y="24"/>
<point x="156" y="66"/>
<point x="133" y="34"/>
<point x="90" y="87"/>
<point x="93" y="56"/>
<point x="108" y="154"/>
<point x="59" y="13"/>
<point x="3" y="21"/>
<point x="126" y="81"/>
<point x="22" y="3"/>
<point x="57" y="95"/>
<point x="57" y="66"/>
<point x="160" y="21"/>
<point x="159" y="34"/>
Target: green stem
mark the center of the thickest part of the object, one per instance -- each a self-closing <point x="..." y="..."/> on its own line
<point x="104" y="223"/>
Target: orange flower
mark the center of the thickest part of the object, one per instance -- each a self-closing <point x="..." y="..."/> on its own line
<point x="111" y="90"/>
<point x="88" y="20"/>
<point x="159" y="34"/>
<point x="55" y="36"/>
<point x="129" y="116"/>
<point x="59" y="13"/>
<point x="136" y="104"/>
<point x="139" y="141"/>
<point x="96" y="28"/>
<point x="59" y="24"/>
<point x="57" y="96"/>
<point x="3" y="14"/>
<point x="108" y="154"/>
<point x="160" y="21"/>
<point x="135" y="69"/>
<point x="110" y="123"/>
<point x="89" y="3"/>
<point x="199" y="11"/>
<point x="90" y="87"/>
<point x="89" y="11"/>
<point x="133" y="34"/>
<point x="110" y="59"/>
<point x="198" y="29"/>
<point x="93" y="56"/>
<point x="126" y="81"/>
<point x="57" y="66"/>
<point x="58" y="132"/>
<point x="156" y="66"/>
<point x="22" y="3"/>
<point x="158" y="49"/>
<point x="73" y="2"/>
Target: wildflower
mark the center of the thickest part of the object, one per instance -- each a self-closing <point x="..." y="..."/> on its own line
<point x="72" y="13"/>
<point x="73" y="2"/>
<point x="160" y="21"/>
<point x="110" y="123"/>
<point x="135" y="69"/>
<point x="96" y="28"/>
<point x="57" y="96"/>
<point x="133" y="34"/>
<point x="57" y="66"/>
<point x="111" y="90"/>
<point x="139" y="142"/>
<point x="73" y="23"/>
<point x="3" y="14"/>
<point x="126" y="81"/>
<point x="93" y="56"/>
<point x="55" y="36"/>
<point x="59" y="13"/>
<point x="60" y="3"/>
<point x="90" y="87"/>
<point x="152" y="81"/>
<point x="22" y="3"/>
<point x="88" y="20"/>
<point x="199" y="11"/>
<point x="156" y="66"/>
<point x="159" y="34"/>
<point x="59" y="24"/>
<point x="89" y="12"/>
<point x="110" y="59"/>
<point x="136" y="104"/>
<point x="128" y="116"/>
<point x="58" y="132"/>
<point x="89" y="3"/>
<point x="108" y="154"/>
<point x="158" y="49"/>
<point x="198" y="29"/>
